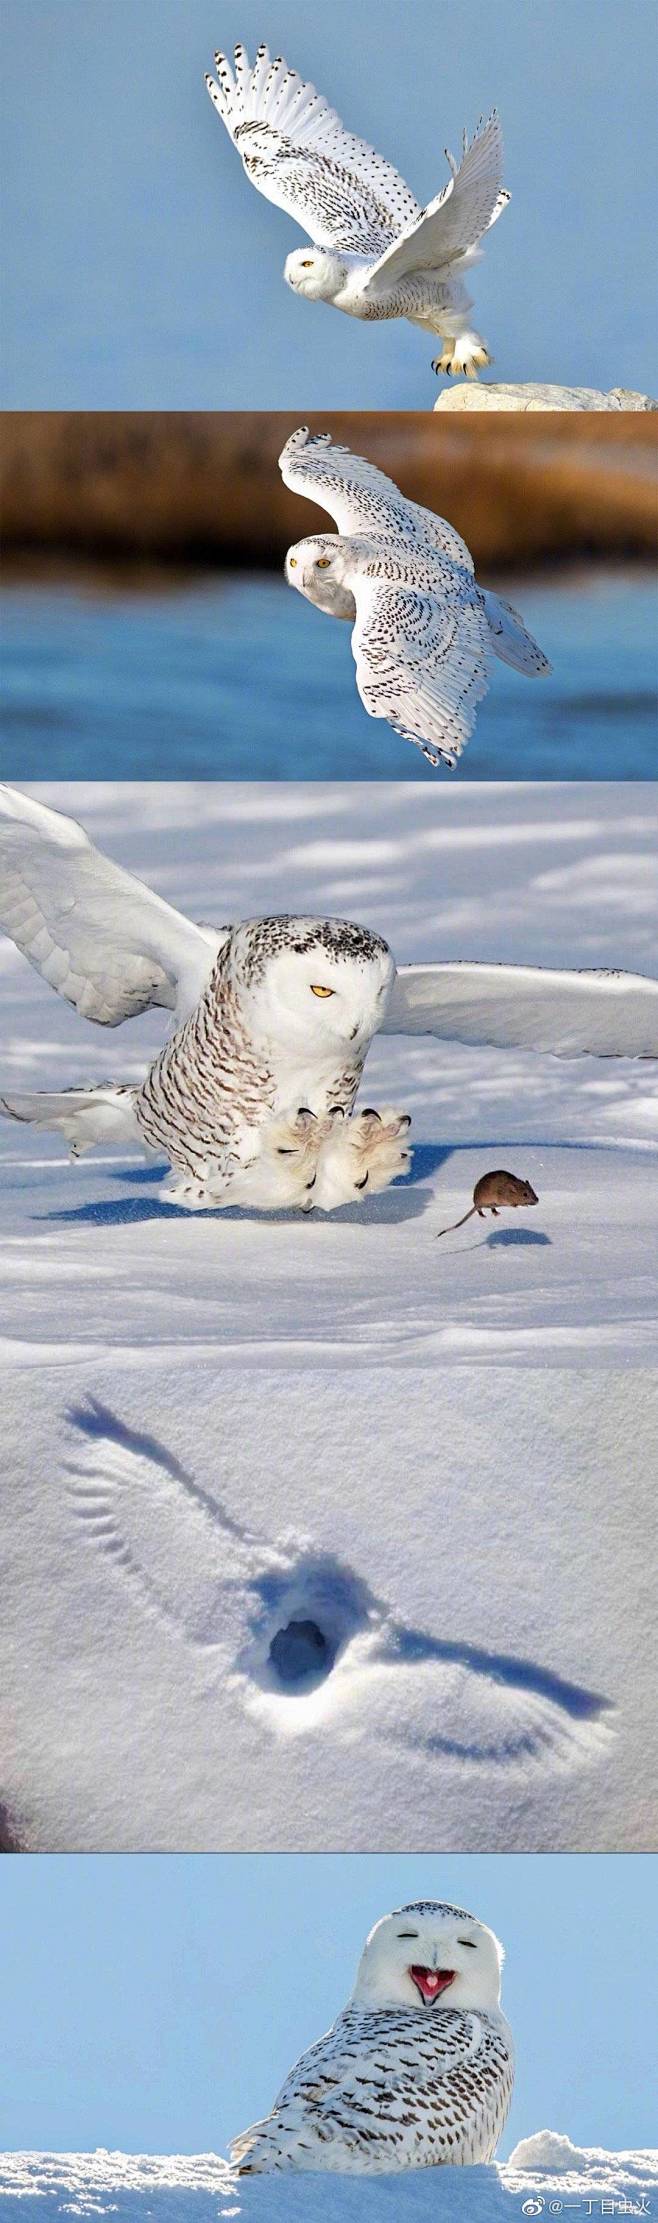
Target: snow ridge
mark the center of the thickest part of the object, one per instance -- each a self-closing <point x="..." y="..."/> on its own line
<point x="201" y="2188"/>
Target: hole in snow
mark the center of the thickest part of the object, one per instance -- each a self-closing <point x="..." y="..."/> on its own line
<point x="304" y="1616"/>
<point x="301" y="1651"/>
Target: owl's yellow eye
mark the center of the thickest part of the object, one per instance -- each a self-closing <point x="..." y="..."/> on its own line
<point x="322" y="563"/>
<point x="322" y="991"/>
<point x="306" y="265"/>
<point x="292" y="562"/>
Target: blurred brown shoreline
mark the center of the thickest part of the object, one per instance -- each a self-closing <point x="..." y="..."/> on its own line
<point x="203" y="488"/>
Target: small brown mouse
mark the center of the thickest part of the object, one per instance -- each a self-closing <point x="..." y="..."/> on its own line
<point x="492" y="1190"/>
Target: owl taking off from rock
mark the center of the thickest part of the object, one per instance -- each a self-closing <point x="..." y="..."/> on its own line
<point x="372" y="250"/>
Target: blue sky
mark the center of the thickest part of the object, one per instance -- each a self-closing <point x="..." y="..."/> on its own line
<point x="141" y="269"/>
<point x="156" y="2003"/>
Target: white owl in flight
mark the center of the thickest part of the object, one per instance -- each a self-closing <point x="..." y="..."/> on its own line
<point x="418" y="2069"/>
<point x="373" y="251"/>
<point x="423" y="631"/>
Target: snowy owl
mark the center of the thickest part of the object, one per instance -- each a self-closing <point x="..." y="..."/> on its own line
<point x="423" y="631"/>
<point x="373" y="251"/>
<point x="251" y="1100"/>
<point x="417" y="2070"/>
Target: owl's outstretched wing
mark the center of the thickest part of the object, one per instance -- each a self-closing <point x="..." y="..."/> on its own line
<point x="366" y="2082"/>
<point x="531" y="1007"/>
<point x="361" y="498"/>
<point x="108" y="944"/>
<point x="451" y="225"/>
<point x="164" y="1538"/>
<point x="297" y="152"/>
<point x="421" y="663"/>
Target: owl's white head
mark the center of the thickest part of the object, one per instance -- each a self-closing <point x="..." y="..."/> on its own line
<point x="429" y="1956"/>
<point x="312" y="987"/>
<point x="316" y="567"/>
<point x="315" y="272"/>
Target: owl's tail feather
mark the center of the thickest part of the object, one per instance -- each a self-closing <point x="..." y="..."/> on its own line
<point x="84" y="1116"/>
<point x="510" y="639"/>
<point x="247" y="2152"/>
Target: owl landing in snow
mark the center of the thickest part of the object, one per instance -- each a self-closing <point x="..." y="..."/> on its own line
<point x="417" y="2070"/>
<point x="251" y="1099"/>
<point x="374" y="252"/>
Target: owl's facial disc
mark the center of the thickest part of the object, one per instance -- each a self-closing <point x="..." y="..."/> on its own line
<point x="316" y="566"/>
<point x="320" y="989"/>
<point x="430" y="1955"/>
<point x="315" y="273"/>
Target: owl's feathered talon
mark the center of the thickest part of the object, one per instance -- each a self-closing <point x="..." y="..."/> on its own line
<point x="462" y="358"/>
<point x="443" y="362"/>
<point x="364" y="1152"/>
<point x="477" y="362"/>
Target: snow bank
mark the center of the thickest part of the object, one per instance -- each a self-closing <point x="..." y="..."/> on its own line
<point x="553" y="2156"/>
<point x="200" y="2189"/>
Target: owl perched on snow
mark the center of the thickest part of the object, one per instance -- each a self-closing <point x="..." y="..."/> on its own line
<point x="416" y="2071"/>
<point x="373" y="251"/>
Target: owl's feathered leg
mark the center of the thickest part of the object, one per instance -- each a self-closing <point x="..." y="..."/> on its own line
<point x="278" y="1177"/>
<point x="301" y="1161"/>
<point x="464" y="352"/>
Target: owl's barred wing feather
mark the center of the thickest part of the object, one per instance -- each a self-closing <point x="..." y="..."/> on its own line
<point x="452" y="224"/>
<point x="297" y="152"/>
<point x="421" y="662"/>
<point x="375" y="2087"/>
<point x="358" y="496"/>
<point x="109" y="945"/>
<point x="361" y="498"/>
<point x="531" y="1007"/>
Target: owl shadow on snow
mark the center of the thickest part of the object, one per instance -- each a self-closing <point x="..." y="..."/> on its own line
<point x="408" y="1199"/>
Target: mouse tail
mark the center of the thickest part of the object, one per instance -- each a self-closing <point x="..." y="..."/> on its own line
<point x="456" y="1223"/>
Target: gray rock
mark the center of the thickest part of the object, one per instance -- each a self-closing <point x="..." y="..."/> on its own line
<point x="470" y="394"/>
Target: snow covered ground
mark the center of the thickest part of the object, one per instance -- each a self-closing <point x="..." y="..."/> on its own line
<point x="474" y="1559"/>
<point x="546" y="2175"/>
<point x="93" y="1263"/>
<point x="439" y="1456"/>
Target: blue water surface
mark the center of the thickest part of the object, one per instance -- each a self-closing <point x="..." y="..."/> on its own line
<point x="231" y="676"/>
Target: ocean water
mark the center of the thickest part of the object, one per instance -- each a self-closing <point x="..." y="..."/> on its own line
<point x="232" y="676"/>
